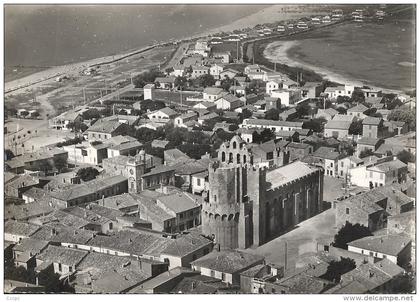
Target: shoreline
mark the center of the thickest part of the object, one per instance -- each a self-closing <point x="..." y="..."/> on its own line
<point x="279" y="52"/>
<point x="271" y="13"/>
<point x="69" y="69"/>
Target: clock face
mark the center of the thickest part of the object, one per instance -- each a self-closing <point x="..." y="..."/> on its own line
<point x="131" y="171"/>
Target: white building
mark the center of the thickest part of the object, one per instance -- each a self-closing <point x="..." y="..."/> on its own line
<point x="148" y="91"/>
<point x="287" y="97"/>
<point x="380" y="173"/>
<point x="334" y="92"/>
<point x="215" y="70"/>
<point x="211" y="94"/>
<point x="271" y="85"/>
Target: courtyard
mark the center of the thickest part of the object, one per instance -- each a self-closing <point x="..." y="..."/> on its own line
<point x="303" y="238"/>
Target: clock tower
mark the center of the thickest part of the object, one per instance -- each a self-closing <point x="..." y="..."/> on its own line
<point x="134" y="170"/>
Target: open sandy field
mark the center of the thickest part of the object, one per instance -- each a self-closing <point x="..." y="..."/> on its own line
<point x="53" y="97"/>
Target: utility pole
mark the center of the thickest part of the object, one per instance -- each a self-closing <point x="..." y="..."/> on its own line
<point x="275" y="69"/>
<point x="237" y="51"/>
<point x="84" y="95"/>
<point x="75" y="158"/>
<point x="285" y="256"/>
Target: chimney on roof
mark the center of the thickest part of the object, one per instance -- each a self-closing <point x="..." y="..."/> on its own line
<point x="193" y="285"/>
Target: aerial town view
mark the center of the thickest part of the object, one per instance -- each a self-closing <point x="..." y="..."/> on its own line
<point x="209" y="149"/>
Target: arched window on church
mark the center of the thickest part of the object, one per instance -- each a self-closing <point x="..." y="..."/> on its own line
<point x="234" y="145"/>
<point x="244" y="159"/>
<point x="238" y="158"/>
<point x="223" y="156"/>
<point x="230" y="157"/>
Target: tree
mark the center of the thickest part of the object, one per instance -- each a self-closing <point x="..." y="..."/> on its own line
<point x="181" y="83"/>
<point x="146" y="77"/>
<point x="149" y="105"/>
<point x="169" y="70"/>
<point x="404" y="115"/>
<point x="246" y="113"/>
<point x="265" y="136"/>
<point x="350" y="232"/>
<point x="145" y="135"/>
<point x="356" y="128"/>
<point x="122" y="112"/>
<point x="87" y="174"/>
<point x="253" y="86"/>
<point x="206" y="80"/>
<point x="91" y="114"/>
<point x="18" y="273"/>
<point x="60" y="163"/>
<point x="341" y="110"/>
<point x="357" y="96"/>
<point x="316" y="125"/>
<point x="220" y="137"/>
<point x="52" y="282"/>
<point x="272" y="114"/>
<point x="8" y="154"/>
<point x="24" y="113"/>
<point x="11" y="111"/>
<point x="336" y="269"/>
<point x="72" y="141"/>
<point x="45" y="166"/>
<point x="393" y="104"/>
<point x="35" y="114"/>
<point x="365" y="153"/>
<point x="77" y="126"/>
<point x="406" y="157"/>
<point x="194" y="150"/>
<point x="370" y="111"/>
<point x="342" y="99"/>
<point x="303" y="110"/>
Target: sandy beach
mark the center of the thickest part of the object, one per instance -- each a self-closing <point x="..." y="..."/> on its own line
<point x="70" y="70"/>
<point x="271" y="14"/>
<point x="278" y="52"/>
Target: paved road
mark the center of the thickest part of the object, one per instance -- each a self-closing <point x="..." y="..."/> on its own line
<point x="178" y="55"/>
